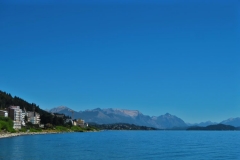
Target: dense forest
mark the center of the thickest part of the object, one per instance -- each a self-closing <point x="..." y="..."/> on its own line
<point x="7" y="100"/>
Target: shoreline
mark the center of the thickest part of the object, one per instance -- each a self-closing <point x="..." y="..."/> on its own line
<point x="9" y="135"/>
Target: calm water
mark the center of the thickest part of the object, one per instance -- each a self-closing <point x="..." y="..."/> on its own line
<point x="124" y="145"/>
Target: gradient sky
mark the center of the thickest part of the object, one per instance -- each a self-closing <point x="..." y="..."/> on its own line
<point x="180" y="57"/>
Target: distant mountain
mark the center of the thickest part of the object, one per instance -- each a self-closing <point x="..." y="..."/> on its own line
<point x="232" y="121"/>
<point x="110" y="116"/>
<point x="169" y="121"/>
<point x="59" y="109"/>
<point x="202" y="124"/>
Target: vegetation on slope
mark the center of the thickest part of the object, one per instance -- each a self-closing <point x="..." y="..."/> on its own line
<point x="52" y="123"/>
<point x="6" y="124"/>
<point x="7" y="100"/>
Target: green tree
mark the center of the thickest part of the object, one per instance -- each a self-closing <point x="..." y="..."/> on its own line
<point x="25" y="118"/>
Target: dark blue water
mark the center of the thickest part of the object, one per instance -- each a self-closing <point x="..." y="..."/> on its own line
<point x="124" y="145"/>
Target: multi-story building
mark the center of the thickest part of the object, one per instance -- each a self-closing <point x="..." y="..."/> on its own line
<point x="33" y="117"/>
<point x="81" y="123"/>
<point x="24" y="113"/>
<point x="3" y="113"/>
<point x="77" y="122"/>
<point x="15" y="113"/>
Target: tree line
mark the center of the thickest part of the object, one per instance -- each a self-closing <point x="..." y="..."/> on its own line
<point x="6" y="100"/>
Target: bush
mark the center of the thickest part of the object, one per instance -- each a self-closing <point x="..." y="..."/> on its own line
<point x="13" y="131"/>
<point x="23" y="129"/>
<point x="68" y="124"/>
<point x="61" y="128"/>
<point x="6" y="124"/>
<point x="76" y="129"/>
<point x="48" y="125"/>
<point x="91" y="128"/>
<point x="35" y="130"/>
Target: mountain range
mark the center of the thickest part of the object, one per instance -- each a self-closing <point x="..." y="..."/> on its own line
<point x="110" y="116"/>
<point x="202" y="124"/>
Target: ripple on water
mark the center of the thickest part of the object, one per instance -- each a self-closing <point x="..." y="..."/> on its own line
<point x="123" y="145"/>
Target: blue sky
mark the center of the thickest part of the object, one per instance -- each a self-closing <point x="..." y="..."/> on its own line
<point x="180" y="57"/>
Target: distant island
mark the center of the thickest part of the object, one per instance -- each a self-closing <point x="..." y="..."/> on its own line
<point x="217" y="127"/>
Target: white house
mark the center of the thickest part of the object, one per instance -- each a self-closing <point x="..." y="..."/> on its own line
<point x="3" y="113"/>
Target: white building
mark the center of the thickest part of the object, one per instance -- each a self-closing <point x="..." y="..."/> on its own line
<point x="24" y="113"/>
<point x="3" y="113"/>
<point x="15" y="113"/>
<point x="33" y="117"/>
<point x="81" y="123"/>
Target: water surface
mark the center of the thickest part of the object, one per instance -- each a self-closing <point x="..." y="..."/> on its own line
<point x="124" y="145"/>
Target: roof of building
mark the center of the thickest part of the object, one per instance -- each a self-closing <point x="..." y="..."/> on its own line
<point x="14" y="107"/>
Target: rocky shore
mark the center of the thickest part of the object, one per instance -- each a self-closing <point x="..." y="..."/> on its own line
<point x="7" y="135"/>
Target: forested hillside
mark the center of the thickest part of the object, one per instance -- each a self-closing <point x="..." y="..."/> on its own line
<point x="7" y="100"/>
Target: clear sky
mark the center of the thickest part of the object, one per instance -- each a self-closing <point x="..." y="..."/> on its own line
<point x="181" y="57"/>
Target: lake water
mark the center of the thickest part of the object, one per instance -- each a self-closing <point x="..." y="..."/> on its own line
<point x="124" y="145"/>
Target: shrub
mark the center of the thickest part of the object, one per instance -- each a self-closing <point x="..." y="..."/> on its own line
<point x="76" y="129"/>
<point x="23" y="129"/>
<point x="61" y="129"/>
<point x="6" y="124"/>
<point x="35" y="130"/>
<point x="48" y="125"/>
